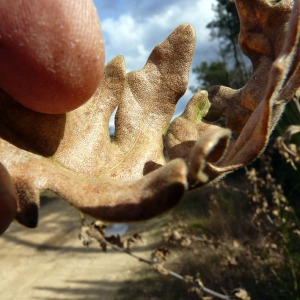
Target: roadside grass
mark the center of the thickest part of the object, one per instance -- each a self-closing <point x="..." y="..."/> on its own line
<point x="237" y="247"/>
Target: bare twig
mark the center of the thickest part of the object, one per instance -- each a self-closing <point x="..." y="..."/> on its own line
<point x="195" y="283"/>
<point x="96" y="231"/>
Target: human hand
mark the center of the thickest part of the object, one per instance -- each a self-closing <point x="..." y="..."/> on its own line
<point x="51" y="61"/>
<point x="51" y="53"/>
<point x="8" y="202"/>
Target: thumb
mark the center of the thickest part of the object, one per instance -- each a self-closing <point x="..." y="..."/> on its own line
<point x="51" y="53"/>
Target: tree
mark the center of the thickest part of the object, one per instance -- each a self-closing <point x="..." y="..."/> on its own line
<point x="226" y="29"/>
<point x="211" y="74"/>
<point x="233" y="68"/>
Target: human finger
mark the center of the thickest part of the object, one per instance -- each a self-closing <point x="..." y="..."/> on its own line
<point x="51" y="53"/>
<point x="8" y="203"/>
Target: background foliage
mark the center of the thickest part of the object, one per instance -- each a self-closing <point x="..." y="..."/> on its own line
<point x="245" y="231"/>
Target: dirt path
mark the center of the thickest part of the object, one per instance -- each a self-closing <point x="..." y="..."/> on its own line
<point x="50" y="262"/>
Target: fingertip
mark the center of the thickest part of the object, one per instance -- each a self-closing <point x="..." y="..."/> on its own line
<point x="51" y="53"/>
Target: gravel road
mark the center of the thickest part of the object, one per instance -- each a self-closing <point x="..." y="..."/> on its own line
<point x="50" y="262"/>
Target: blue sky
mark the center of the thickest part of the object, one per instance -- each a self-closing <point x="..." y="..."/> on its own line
<point x="132" y="28"/>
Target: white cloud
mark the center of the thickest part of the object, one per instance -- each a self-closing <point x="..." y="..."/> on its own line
<point x="134" y="38"/>
<point x="123" y="37"/>
<point x="132" y="28"/>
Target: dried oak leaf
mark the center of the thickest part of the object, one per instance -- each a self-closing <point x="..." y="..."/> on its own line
<point x="128" y="178"/>
<point x="270" y="38"/>
<point x="240" y="294"/>
<point x="160" y="255"/>
<point x="289" y="150"/>
<point x="124" y="179"/>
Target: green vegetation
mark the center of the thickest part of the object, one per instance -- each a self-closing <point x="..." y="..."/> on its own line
<point x="243" y="233"/>
<point x="232" y="69"/>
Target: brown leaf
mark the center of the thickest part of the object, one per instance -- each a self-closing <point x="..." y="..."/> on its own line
<point x="84" y="235"/>
<point x="231" y="260"/>
<point x="161" y="269"/>
<point x="73" y="155"/>
<point x="241" y="294"/>
<point x="129" y="178"/>
<point x="115" y="240"/>
<point x="270" y="38"/>
<point x="176" y="235"/>
<point x="186" y="242"/>
<point x="160" y="254"/>
<point x="137" y="236"/>
<point x="103" y="246"/>
<point x="290" y="131"/>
